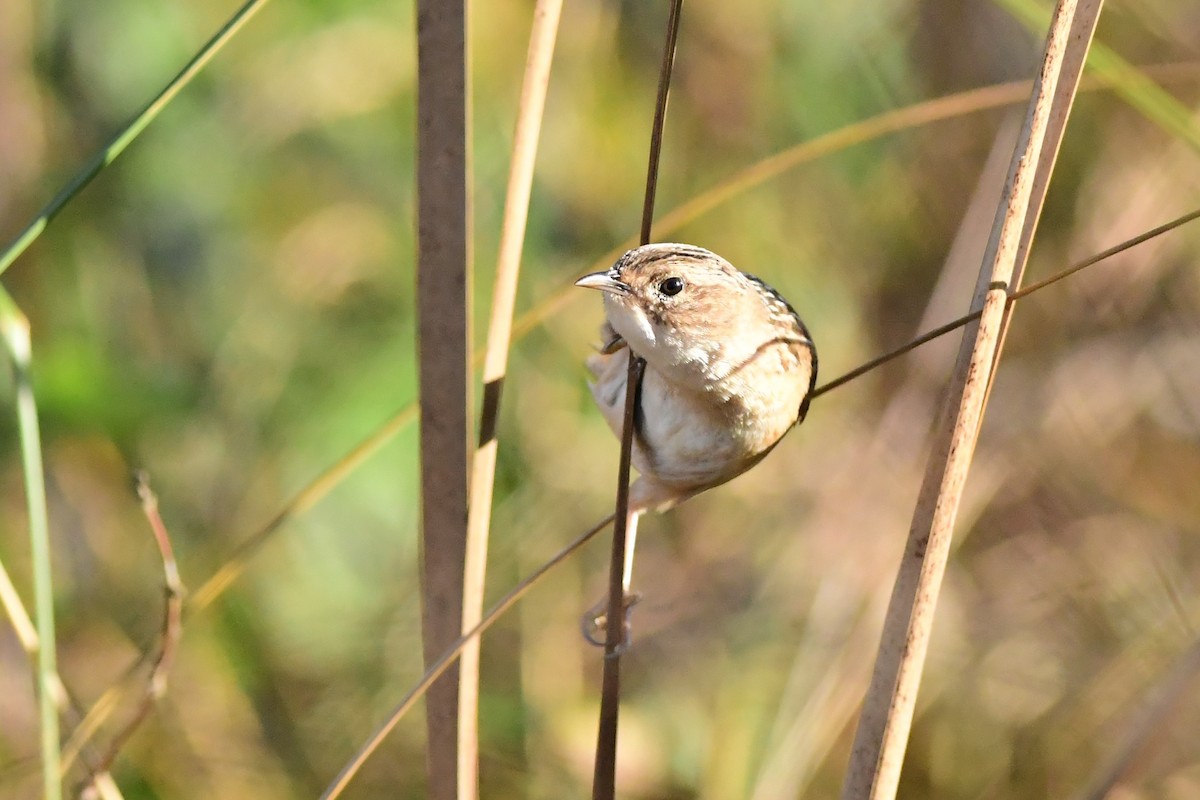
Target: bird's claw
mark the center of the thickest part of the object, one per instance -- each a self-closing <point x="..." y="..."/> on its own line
<point x="594" y="624"/>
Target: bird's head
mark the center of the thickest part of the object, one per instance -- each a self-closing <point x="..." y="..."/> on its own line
<point x="675" y="304"/>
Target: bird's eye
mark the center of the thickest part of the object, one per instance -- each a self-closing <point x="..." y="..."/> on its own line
<point x="671" y="286"/>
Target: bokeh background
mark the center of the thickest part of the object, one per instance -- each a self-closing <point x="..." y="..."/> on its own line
<point x="230" y="307"/>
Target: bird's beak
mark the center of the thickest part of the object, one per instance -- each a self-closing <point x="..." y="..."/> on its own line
<point x="606" y="281"/>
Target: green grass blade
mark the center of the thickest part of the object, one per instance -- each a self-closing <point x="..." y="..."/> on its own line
<point x="139" y="123"/>
<point x="15" y="329"/>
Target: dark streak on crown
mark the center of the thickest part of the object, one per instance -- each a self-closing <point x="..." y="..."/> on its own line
<point x="639" y="256"/>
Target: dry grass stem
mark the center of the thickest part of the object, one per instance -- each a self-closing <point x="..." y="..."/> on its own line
<point x="172" y="629"/>
<point x="1135" y="84"/>
<point x="546" y="15"/>
<point x="22" y="623"/>
<point x="882" y="735"/>
<point x="813" y="715"/>
<point x="1087" y="14"/>
<point x="660" y="118"/>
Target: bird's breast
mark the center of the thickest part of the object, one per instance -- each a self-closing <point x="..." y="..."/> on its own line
<point x="705" y="419"/>
<point x="685" y="438"/>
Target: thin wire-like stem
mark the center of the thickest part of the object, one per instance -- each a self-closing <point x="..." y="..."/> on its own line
<point x="15" y="329"/>
<point x="1025" y="291"/>
<point x="113" y="149"/>
<point x="882" y="735"/>
<point x="436" y="669"/>
<point x="1153" y="233"/>
<point x="546" y="15"/>
<point x="660" y="117"/>
<point x="604" y="776"/>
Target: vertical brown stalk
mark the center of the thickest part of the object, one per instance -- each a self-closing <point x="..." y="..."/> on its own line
<point x="512" y="238"/>
<point x="883" y="729"/>
<point x="443" y="292"/>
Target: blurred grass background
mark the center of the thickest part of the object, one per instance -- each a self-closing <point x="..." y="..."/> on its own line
<point x="230" y="306"/>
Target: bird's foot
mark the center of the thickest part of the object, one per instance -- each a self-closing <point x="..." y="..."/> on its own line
<point x="594" y="624"/>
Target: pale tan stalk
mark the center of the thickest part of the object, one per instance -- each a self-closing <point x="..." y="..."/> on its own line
<point x="1086" y="16"/>
<point x="883" y="729"/>
<point x="814" y="713"/>
<point x="546" y="16"/>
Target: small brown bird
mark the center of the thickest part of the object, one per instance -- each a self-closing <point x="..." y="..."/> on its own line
<point x="730" y="368"/>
